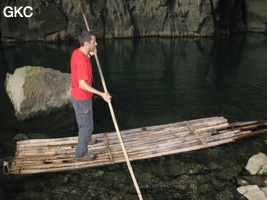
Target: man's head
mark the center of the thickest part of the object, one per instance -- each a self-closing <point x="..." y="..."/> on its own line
<point x="85" y="36"/>
<point x="87" y="39"/>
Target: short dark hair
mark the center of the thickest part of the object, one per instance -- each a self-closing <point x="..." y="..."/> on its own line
<point x="85" y="36"/>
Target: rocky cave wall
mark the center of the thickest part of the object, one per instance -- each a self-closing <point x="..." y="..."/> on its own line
<point x="55" y="20"/>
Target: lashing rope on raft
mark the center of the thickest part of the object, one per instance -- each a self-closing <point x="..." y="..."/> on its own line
<point x="193" y="130"/>
<point x="5" y="167"/>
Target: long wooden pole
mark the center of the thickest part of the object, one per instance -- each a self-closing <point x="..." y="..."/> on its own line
<point x="114" y="117"/>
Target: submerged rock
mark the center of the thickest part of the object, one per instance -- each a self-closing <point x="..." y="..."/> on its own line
<point x="20" y="137"/>
<point x="37" y="89"/>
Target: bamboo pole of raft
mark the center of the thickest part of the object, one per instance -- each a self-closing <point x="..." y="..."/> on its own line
<point x="114" y="117"/>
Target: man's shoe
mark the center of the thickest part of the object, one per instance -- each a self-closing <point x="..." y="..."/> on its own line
<point x="93" y="141"/>
<point x="88" y="157"/>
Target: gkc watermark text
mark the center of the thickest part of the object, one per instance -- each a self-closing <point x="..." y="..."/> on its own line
<point x="18" y="11"/>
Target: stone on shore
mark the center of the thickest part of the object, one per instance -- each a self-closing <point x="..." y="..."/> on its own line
<point x="33" y="90"/>
<point x="252" y="192"/>
<point x="257" y="164"/>
<point x="254" y="187"/>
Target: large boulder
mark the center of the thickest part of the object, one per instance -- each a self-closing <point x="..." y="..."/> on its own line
<point x="37" y="89"/>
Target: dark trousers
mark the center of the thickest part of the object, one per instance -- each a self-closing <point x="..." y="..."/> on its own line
<point x="84" y="118"/>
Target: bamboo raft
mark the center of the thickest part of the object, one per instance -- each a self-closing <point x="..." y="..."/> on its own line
<point x="54" y="155"/>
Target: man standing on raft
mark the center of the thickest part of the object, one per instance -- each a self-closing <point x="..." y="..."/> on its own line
<point x="82" y="93"/>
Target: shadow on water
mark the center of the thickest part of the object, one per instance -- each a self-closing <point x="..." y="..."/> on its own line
<point x="153" y="81"/>
<point x="7" y="118"/>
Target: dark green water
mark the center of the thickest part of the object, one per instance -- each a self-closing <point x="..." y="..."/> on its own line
<point x="152" y="81"/>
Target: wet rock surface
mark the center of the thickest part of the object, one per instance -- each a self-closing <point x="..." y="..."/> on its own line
<point x="62" y="20"/>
